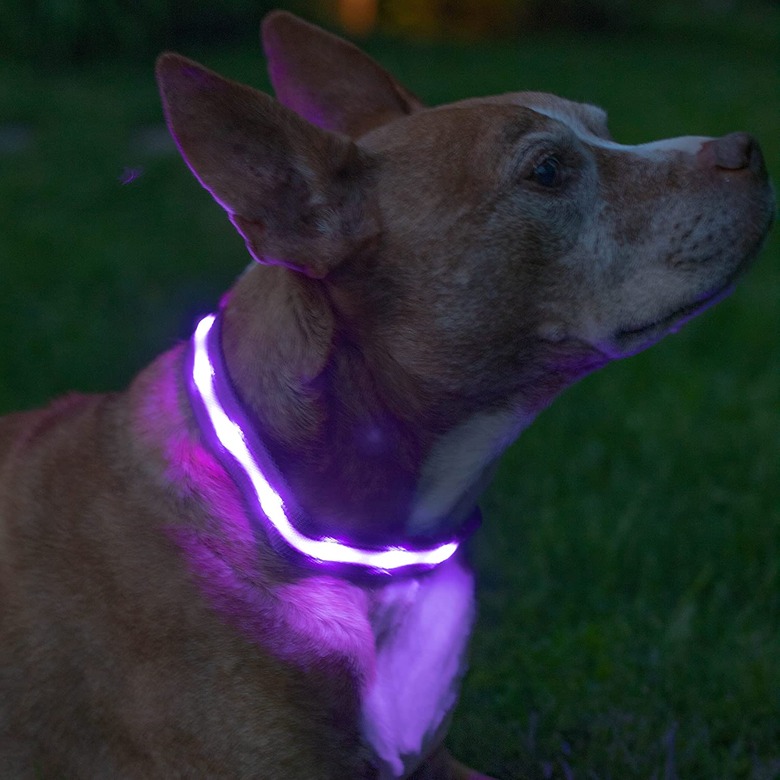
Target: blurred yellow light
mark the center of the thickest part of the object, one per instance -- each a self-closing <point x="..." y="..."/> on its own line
<point x="357" y="17"/>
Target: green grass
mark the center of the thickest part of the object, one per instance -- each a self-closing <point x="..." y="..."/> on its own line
<point x="630" y="558"/>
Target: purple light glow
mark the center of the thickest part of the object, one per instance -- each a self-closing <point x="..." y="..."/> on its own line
<point x="129" y="175"/>
<point x="227" y="432"/>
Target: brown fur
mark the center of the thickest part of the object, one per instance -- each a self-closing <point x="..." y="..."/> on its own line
<point x="414" y="276"/>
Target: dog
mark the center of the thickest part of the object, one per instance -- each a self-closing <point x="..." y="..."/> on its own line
<point x="250" y="563"/>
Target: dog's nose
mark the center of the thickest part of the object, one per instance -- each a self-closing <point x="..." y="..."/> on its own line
<point x="733" y="152"/>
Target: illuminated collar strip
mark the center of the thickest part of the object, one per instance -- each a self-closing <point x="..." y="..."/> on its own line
<point x="221" y="423"/>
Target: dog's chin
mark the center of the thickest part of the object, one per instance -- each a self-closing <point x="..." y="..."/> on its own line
<point x="631" y="339"/>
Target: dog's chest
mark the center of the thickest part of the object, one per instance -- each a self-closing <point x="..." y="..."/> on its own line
<point x="421" y="629"/>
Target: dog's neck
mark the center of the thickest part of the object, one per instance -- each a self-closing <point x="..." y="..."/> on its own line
<point x="229" y="432"/>
<point x="353" y="453"/>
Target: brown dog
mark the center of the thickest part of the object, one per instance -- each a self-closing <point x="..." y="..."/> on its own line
<point x="247" y="564"/>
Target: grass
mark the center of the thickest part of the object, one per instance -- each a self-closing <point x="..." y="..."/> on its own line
<point x="630" y="558"/>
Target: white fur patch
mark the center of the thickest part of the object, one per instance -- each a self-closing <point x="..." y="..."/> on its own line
<point x="688" y="144"/>
<point x="456" y="463"/>
<point x="421" y="628"/>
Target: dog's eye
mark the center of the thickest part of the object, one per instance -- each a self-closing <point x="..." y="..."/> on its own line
<point x="547" y="172"/>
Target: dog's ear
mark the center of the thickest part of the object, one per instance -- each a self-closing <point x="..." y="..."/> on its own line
<point x="328" y="81"/>
<point x="296" y="193"/>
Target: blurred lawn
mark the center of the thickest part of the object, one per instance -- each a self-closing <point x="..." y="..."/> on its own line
<point x="630" y="558"/>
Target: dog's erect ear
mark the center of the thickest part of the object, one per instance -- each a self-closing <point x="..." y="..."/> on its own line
<point x="295" y="193"/>
<point x="328" y="81"/>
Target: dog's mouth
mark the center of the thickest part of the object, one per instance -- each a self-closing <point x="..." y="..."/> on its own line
<point x="630" y="340"/>
<point x="633" y="338"/>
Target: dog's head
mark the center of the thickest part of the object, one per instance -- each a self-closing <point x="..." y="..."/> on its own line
<point x="453" y="267"/>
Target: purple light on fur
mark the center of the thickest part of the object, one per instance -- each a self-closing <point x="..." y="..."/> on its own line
<point x="220" y="427"/>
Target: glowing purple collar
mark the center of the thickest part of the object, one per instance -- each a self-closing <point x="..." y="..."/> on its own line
<point x="227" y="432"/>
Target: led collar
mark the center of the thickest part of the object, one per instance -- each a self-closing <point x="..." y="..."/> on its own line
<point x="234" y="442"/>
